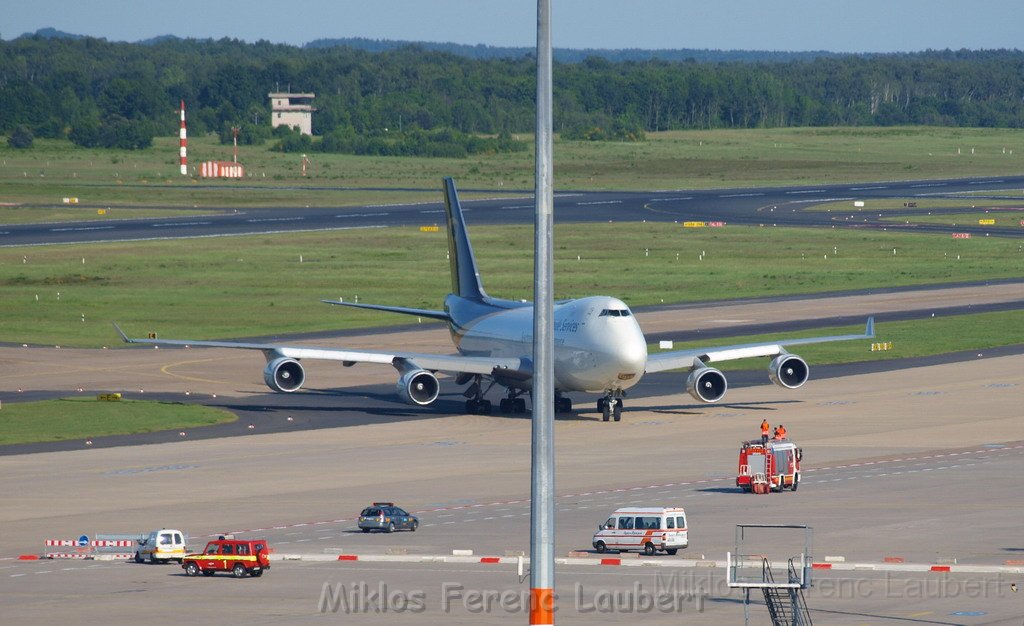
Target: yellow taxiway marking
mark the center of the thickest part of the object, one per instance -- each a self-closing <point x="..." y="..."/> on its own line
<point x="921" y="613"/>
<point x="165" y="369"/>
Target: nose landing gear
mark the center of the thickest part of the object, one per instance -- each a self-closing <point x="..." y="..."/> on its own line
<point x="610" y="406"/>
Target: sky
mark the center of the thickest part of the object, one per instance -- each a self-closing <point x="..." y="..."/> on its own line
<point x="791" y="25"/>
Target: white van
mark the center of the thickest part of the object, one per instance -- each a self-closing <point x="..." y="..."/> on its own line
<point x="643" y="529"/>
<point x="161" y="546"/>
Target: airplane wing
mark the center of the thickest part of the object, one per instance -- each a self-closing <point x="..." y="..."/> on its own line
<point x="428" y="313"/>
<point x="455" y="364"/>
<point x="678" y="359"/>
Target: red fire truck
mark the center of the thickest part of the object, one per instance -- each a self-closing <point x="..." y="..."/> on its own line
<point x="773" y="466"/>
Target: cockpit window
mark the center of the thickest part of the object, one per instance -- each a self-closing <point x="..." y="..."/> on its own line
<point x="615" y="313"/>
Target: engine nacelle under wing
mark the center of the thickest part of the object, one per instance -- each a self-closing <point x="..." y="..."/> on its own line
<point x="788" y="370"/>
<point x="706" y="384"/>
<point x="284" y="374"/>
<point x="418" y="386"/>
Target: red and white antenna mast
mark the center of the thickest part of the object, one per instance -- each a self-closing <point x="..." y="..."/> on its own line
<point x="183" y="150"/>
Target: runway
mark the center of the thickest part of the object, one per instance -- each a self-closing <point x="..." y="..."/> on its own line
<point x="779" y="206"/>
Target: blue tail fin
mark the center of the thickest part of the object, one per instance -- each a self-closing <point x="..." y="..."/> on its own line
<point x="465" y="275"/>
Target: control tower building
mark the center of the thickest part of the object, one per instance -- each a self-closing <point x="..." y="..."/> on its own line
<point x="285" y="111"/>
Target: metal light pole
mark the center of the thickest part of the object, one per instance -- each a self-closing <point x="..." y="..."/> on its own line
<point x="542" y="491"/>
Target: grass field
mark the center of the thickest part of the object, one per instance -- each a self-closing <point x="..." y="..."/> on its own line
<point x="262" y="285"/>
<point x="55" y="169"/>
<point x="81" y="418"/>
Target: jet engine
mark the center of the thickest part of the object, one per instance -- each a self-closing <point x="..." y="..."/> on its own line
<point x="788" y="370"/>
<point x="284" y="374"/>
<point x="706" y="384"/>
<point x="418" y="386"/>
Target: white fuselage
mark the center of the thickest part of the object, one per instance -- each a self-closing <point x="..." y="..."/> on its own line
<point x="598" y="345"/>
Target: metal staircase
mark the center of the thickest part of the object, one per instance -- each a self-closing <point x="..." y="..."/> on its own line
<point x="786" y="605"/>
<point x="750" y="572"/>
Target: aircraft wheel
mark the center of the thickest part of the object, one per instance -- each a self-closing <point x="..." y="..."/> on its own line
<point x="506" y="405"/>
<point x="618" y="411"/>
<point x="519" y="405"/>
<point x="606" y="413"/>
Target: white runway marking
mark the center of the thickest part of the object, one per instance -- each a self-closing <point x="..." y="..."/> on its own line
<point x="275" y="219"/>
<point x="80" y="228"/>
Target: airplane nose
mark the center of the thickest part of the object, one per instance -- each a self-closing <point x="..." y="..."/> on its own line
<point x="632" y="358"/>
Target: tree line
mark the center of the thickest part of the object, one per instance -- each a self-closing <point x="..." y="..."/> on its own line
<point x="100" y="93"/>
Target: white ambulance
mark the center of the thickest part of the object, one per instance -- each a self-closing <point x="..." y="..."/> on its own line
<point x="643" y="529"/>
<point x="161" y="546"/>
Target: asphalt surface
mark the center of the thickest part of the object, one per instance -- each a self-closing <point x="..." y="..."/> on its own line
<point x="917" y="464"/>
<point x="780" y="206"/>
<point x="915" y="459"/>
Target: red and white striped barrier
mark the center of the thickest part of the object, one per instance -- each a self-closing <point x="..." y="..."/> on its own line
<point x="221" y="169"/>
<point x="618" y="561"/>
<point x="89" y="551"/>
<point x="112" y="543"/>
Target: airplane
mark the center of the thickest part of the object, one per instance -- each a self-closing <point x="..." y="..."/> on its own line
<point x="598" y="346"/>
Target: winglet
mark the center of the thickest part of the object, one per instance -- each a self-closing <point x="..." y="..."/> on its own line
<point x="121" y="332"/>
<point x="869" y="328"/>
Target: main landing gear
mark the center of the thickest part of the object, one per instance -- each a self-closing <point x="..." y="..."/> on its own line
<point x="610" y="407"/>
<point x="513" y="403"/>
<point x="476" y="404"/>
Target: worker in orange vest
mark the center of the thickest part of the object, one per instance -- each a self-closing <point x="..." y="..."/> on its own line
<point x="780" y="432"/>
<point x="765" y="427"/>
